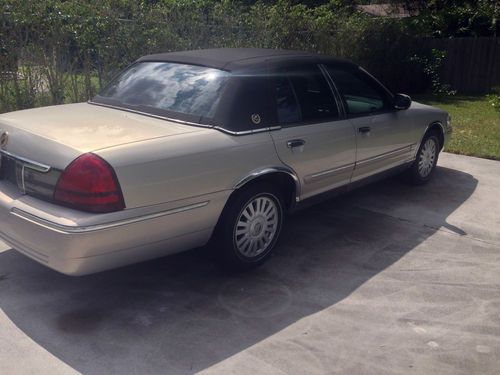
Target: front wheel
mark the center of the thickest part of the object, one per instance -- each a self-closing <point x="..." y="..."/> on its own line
<point x="425" y="163"/>
<point x="249" y="228"/>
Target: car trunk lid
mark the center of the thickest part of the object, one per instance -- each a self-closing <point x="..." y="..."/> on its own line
<point x="82" y="127"/>
<point x="40" y="143"/>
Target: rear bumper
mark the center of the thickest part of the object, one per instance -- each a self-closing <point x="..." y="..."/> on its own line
<point x="76" y="243"/>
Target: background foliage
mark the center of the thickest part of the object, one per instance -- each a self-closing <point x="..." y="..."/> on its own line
<point x="56" y="51"/>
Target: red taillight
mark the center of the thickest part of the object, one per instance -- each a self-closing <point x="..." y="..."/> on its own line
<point x="89" y="184"/>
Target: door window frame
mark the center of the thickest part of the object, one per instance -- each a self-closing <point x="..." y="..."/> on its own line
<point x="388" y="95"/>
<point x="273" y="70"/>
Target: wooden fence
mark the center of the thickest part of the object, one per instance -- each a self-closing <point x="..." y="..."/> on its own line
<point x="472" y="65"/>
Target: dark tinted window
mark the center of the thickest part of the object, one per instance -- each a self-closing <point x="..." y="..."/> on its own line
<point x="186" y="89"/>
<point x="286" y="102"/>
<point x="360" y="92"/>
<point x="303" y="94"/>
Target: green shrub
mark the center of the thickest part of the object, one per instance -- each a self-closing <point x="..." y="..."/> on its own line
<point x="431" y="67"/>
<point x="66" y="50"/>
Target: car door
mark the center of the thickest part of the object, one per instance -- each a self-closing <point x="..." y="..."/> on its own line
<point x="384" y="135"/>
<point x="314" y="139"/>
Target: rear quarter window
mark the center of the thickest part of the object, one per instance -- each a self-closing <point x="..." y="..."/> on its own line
<point x="246" y="102"/>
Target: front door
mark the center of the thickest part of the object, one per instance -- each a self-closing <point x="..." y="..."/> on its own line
<point x="384" y="135"/>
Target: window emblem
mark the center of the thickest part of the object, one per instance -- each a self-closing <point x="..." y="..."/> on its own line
<point x="4" y="139"/>
<point x="256" y="119"/>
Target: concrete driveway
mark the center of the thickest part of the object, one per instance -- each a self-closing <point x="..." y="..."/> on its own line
<point x="388" y="279"/>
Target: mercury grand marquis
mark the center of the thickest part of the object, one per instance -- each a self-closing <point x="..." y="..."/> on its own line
<point x="189" y="147"/>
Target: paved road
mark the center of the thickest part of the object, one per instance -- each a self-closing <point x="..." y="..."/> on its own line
<point x="388" y="279"/>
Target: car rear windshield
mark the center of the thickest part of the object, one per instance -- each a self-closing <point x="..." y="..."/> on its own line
<point x="177" y="89"/>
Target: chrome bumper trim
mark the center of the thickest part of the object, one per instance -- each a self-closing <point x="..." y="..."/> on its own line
<point x="92" y="228"/>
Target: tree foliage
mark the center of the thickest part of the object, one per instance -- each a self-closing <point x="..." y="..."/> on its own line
<point x="55" y="51"/>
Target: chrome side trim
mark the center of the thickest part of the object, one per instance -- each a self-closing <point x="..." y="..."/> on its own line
<point x="31" y="164"/>
<point x="386" y="155"/>
<point x="92" y="228"/>
<point x="328" y="173"/>
<point x="152" y="115"/>
<point x="335" y="91"/>
<point x="245" y="132"/>
<point x="23" y="187"/>
<point x="265" y="171"/>
<point x="216" y="127"/>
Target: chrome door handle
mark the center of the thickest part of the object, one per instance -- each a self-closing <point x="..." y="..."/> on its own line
<point x="295" y="143"/>
<point x="364" y="129"/>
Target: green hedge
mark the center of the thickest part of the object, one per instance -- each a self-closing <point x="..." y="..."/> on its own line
<point x="55" y="51"/>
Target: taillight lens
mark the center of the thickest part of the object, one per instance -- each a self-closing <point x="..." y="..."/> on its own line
<point x="89" y="184"/>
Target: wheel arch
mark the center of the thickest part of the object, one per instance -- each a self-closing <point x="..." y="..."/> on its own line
<point x="283" y="177"/>
<point x="436" y="126"/>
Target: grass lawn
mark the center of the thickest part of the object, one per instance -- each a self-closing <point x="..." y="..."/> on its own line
<point x="476" y="125"/>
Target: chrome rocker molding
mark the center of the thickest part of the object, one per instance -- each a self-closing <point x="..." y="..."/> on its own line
<point x="328" y="173"/>
<point x="265" y="171"/>
<point x="92" y="228"/>
<point x="387" y="155"/>
<point x="342" y="169"/>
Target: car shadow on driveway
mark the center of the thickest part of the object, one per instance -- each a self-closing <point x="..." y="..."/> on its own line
<point x="181" y="314"/>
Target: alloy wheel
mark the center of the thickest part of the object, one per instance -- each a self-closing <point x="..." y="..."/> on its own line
<point x="427" y="158"/>
<point x="256" y="226"/>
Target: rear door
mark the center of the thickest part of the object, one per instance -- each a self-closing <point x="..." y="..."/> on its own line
<point x="314" y="140"/>
<point x="384" y="135"/>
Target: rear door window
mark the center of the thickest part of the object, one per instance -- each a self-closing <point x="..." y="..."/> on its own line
<point x="286" y="101"/>
<point x="304" y="96"/>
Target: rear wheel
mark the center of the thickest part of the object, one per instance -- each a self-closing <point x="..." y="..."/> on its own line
<point x="249" y="227"/>
<point x="425" y="163"/>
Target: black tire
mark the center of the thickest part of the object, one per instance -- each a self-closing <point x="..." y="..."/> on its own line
<point x="225" y="238"/>
<point x="417" y="174"/>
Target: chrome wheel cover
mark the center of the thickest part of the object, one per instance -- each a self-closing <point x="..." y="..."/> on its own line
<point x="427" y="157"/>
<point x="257" y="226"/>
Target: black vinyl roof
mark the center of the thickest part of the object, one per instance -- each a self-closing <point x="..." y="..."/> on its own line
<point x="248" y="91"/>
<point x="240" y="58"/>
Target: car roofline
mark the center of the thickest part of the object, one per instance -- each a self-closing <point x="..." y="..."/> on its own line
<point x="230" y="59"/>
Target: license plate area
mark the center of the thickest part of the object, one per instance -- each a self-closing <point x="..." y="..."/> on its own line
<point x="10" y="169"/>
<point x="29" y="177"/>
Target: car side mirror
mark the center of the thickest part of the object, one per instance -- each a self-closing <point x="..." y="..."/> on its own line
<point x="401" y="101"/>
